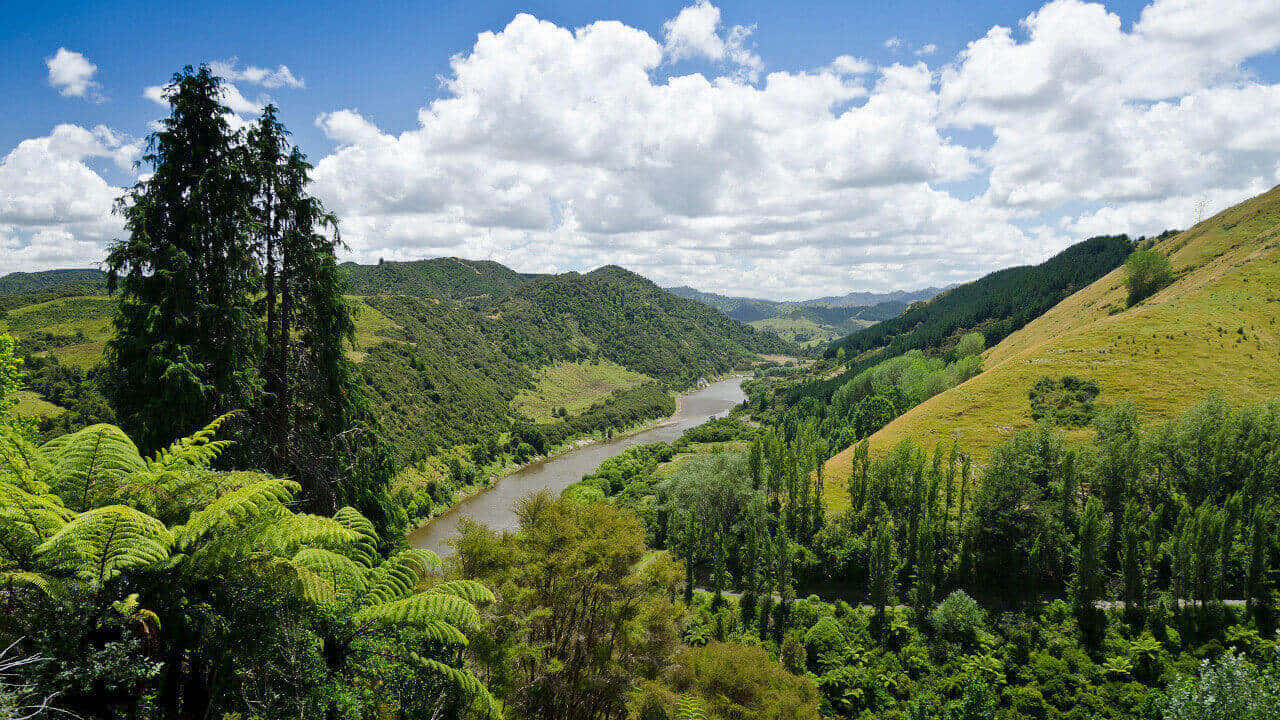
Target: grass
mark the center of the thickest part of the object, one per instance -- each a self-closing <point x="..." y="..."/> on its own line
<point x="372" y="327"/>
<point x="31" y="405"/>
<point x="1216" y="329"/>
<point x="791" y="328"/>
<point x="90" y="314"/>
<point x="575" y="387"/>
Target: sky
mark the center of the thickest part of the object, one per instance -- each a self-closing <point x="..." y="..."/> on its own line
<point x="772" y="149"/>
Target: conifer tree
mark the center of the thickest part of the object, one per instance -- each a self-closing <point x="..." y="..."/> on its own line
<point x="187" y="341"/>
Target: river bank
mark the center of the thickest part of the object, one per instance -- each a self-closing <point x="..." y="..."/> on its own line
<point x="494" y="505"/>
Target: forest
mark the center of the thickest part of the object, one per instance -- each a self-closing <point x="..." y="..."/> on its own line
<point x="215" y="527"/>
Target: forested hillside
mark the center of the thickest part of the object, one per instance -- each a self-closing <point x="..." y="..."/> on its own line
<point x="992" y="306"/>
<point x="446" y="345"/>
<point x="437" y="278"/>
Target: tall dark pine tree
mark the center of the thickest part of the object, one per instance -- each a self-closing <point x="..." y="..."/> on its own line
<point x="187" y="340"/>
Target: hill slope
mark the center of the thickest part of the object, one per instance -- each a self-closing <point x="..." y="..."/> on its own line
<point x="1216" y="329"/>
<point x="994" y="305"/>
<point x="453" y="350"/>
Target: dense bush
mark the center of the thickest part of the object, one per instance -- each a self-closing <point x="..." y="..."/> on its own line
<point x="1065" y="401"/>
<point x="1145" y="273"/>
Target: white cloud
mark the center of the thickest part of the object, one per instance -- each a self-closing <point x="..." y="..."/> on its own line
<point x="850" y="65"/>
<point x="551" y="149"/>
<point x="55" y="210"/>
<point x="555" y="149"/>
<point x="695" y="32"/>
<point x="72" y="74"/>
<point x="927" y="49"/>
<point x="281" y="77"/>
<point x="893" y="43"/>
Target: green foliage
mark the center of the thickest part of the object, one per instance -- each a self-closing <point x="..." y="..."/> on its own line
<point x="10" y="367"/>
<point x="1227" y="689"/>
<point x="959" y="619"/>
<point x="236" y="580"/>
<point x="994" y="305"/>
<point x="1065" y="401"/>
<point x="1145" y="273"/>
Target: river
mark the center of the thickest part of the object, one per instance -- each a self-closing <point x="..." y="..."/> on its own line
<point x="495" y="507"/>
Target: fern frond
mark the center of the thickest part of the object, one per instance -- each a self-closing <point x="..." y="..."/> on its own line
<point x="85" y="467"/>
<point x="689" y="707"/>
<point x="196" y="450"/>
<point x="314" y="586"/>
<point x="99" y="544"/>
<point x="237" y="507"/>
<point x="365" y="549"/>
<point x="482" y="702"/>
<point x="13" y="578"/>
<point x="469" y="590"/>
<point x="344" y="575"/>
<point x="27" y="520"/>
<point x="293" y="532"/>
<point x="423" y="608"/>
<point x="20" y="461"/>
<point x="399" y="575"/>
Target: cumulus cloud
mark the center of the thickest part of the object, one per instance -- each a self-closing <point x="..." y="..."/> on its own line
<point x="555" y="149"/>
<point x="281" y="77"/>
<point x="72" y="74"/>
<point x="696" y="33"/>
<point x="551" y="149"/>
<point x="1082" y="110"/>
<point x="55" y="210"/>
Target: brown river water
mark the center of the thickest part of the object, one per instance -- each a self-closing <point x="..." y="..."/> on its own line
<point x="495" y="507"/>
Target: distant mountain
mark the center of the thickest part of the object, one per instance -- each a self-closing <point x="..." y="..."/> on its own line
<point x="869" y="298"/>
<point x="811" y="321"/>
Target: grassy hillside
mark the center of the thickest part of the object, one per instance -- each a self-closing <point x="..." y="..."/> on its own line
<point x="994" y="305"/>
<point x="574" y="386"/>
<point x="1216" y="329"/>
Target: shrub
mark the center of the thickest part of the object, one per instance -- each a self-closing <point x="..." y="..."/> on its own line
<point x="1068" y="401"/>
<point x="1227" y="688"/>
<point x="958" y="619"/>
<point x="1146" y="272"/>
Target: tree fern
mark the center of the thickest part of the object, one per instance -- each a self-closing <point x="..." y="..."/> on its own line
<point x="423" y="608"/>
<point x="86" y="467"/>
<point x="291" y="532"/>
<point x="263" y="498"/>
<point x="19" y="459"/>
<point x="482" y="703"/>
<point x="399" y="575"/>
<point x="469" y="590"/>
<point x="344" y="575"/>
<point x="689" y="707"/>
<point x="27" y="520"/>
<point x="196" y="450"/>
<point x="98" y="544"/>
<point x="364" y="549"/>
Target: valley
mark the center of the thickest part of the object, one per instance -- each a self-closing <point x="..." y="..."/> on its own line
<point x="243" y="480"/>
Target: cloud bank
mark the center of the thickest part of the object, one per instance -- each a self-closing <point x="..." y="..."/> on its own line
<point x="683" y="157"/>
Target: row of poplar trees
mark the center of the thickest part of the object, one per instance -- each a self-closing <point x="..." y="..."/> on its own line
<point x="230" y="298"/>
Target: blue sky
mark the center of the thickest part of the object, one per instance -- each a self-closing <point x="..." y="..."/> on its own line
<point x="790" y="175"/>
